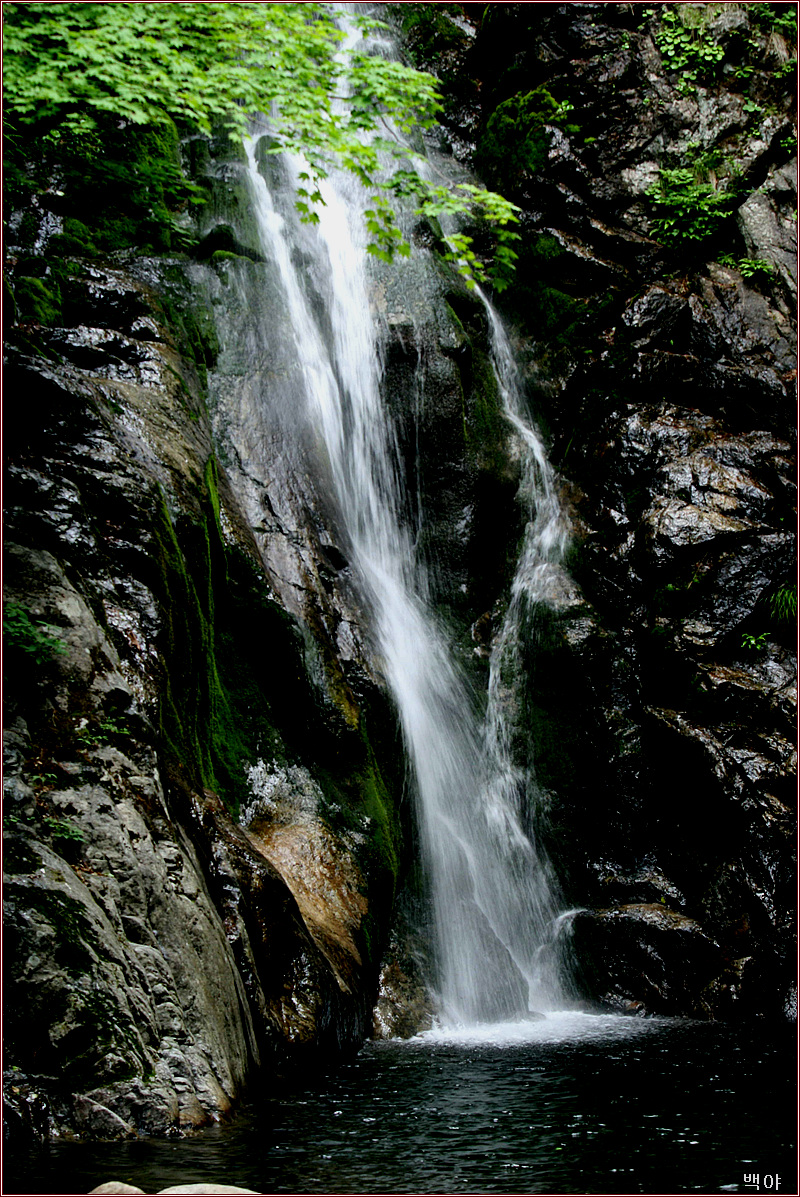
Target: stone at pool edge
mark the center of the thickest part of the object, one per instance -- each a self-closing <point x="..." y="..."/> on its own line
<point x="118" y="1186"/>
<point x="201" y="1188"/>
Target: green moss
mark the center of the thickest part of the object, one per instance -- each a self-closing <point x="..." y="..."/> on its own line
<point x="204" y="728"/>
<point x="358" y="789"/>
<point x="212" y="484"/>
<point x="71" y="247"/>
<point x="184" y="649"/>
<point x="76" y="241"/>
<point x="539" y="289"/>
<point x="9" y="305"/>
<point x="118" y="189"/>
<point x="221" y="243"/>
<point x="430" y="35"/>
<point x="515" y="142"/>
<point x="225" y="255"/>
<point x="374" y="799"/>
<point x="196" y="333"/>
<point x="236" y="689"/>
<point x="235" y="685"/>
<point x="38" y="302"/>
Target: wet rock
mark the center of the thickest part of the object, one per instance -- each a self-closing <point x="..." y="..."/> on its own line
<point x="327" y="887"/>
<point x="768" y="226"/>
<point x="160" y="528"/>
<point x="404" y="1007"/>
<point x="26" y="1112"/>
<point x="98" y="1122"/>
<point x="155" y="955"/>
<point x="666" y="383"/>
<point x="678" y="524"/>
<point x="298" y="962"/>
<point x="72" y="956"/>
<point x="750" y="324"/>
<point x="636" y="956"/>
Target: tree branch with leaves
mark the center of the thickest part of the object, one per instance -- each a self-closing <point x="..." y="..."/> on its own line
<point x="70" y="68"/>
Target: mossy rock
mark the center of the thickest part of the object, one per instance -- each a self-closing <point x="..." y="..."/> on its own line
<point x="71" y="247"/>
<point x="195" y="329"/>
<point x="79" y="236"/>
<point x="223" y="255"/>
<point x="429" y="32"/>
<point x="222" y="240"/>
<point x="117" y="197"/>
<point x="237" y="689"/>
<point x="515" y="142"/>
<point x="37" y="301"/>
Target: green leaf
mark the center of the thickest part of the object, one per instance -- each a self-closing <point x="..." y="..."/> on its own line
<point x="68" y="66"/>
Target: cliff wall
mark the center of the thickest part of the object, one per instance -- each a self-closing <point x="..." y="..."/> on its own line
<point x="653" y="155"/>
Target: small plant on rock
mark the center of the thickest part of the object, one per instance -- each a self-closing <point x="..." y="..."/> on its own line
<point x="748" y="267"/>
<point x="687" y="209"/>
<point x="755" y="643"/>
<point x="751" y="267"/>
<point x="685" y="45"/>
<point x="94" y="733"/>
<point x="63" y="829"/>
<point x="783" y="604"/>
<point x="29" y="635"/>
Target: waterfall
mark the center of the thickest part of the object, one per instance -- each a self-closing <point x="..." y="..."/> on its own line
<point x="492" y="899"/>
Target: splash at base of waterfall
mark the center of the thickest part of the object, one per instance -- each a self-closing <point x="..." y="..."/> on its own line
<point x="557" y="1026"/>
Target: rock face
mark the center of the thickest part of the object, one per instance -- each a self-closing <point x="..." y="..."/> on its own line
<point x="164" y="937"/>
<point x="662" y="698"/>
<point x="205" y="822"/>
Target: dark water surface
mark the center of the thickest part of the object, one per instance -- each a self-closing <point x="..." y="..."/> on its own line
<point x="575" y="1104"/>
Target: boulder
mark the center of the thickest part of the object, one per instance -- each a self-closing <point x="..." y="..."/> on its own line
<point x="205" y="1188"/>
<point x="116" y="1186"/>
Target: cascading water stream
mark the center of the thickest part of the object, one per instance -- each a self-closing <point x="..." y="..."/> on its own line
<point x="492" y="902"/>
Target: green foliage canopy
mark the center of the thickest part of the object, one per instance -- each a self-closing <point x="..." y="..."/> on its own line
<point x="69" y="67"/>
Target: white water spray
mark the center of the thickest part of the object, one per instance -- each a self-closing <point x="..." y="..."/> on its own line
<point x="494" y="914"/>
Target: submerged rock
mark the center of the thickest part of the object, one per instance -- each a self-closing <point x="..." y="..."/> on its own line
<point x="205" y="1188"/>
